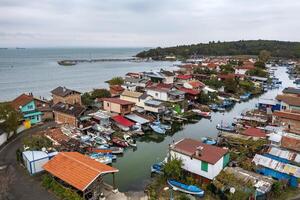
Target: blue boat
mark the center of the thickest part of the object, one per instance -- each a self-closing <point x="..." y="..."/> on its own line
<point x="245" y="96"/>
<point x="189" y="189"/>
<point x="157" y="168"/>
<point x="158" y="129"/>
<point x="213" y="107"/>
<point x="209" y="141"/>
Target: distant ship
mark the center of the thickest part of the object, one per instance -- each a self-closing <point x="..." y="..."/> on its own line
<point x="67" y="62"/>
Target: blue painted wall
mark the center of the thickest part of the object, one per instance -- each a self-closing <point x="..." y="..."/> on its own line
<point x="28" y="107"/>
<point x="292" y="180"/>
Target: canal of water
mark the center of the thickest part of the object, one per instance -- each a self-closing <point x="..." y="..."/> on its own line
<point x="135" y="165"/>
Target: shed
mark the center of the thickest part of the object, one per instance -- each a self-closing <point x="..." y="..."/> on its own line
<point x="34" y="160"/>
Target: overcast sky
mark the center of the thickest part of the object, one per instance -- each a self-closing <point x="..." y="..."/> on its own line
<point x="146" y="23"/>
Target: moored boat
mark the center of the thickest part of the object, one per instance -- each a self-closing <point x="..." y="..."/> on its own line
<point x="227" y="128"/>
<point x="202" y="113"/>
<point x="129" y="140"/>
<point x="189" y="189"/>
<point x="119" y="142"/>
<point x="208" y="140"/>
<point x="157" y="168"/>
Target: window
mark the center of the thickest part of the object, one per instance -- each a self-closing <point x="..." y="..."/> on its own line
<point x="156" y="94"/>
<point x="107" y="104"/>
<point x="30" y="107"/>
<point x="225" y="160"/>
<point x="204" y="166"/>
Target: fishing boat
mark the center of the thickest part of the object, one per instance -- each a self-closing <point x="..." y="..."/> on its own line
<point x="119" y="142"/>
<point x="157" y="129"/>
<point x="189" y="189"/>
<point x="163" y="126"/>
<point x="129" y="140"/>
<point x="103" y="158"/>
<point x="201" y="113"/>
<point x="210" y="141"/>
<point x="213" y="107"/>
<point x="108" y="149"/>
<point x="227" y="128"/>
<point x="221" y="109"/>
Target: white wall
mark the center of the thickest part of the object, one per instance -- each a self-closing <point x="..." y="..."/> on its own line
<point x="3" y="138"/>
<point x="169" y="80"/>
<point x="194" y="165"/>
<point x="163" y="96"/>
<point x="240" y="71"/>
<point x="36" y="166"/>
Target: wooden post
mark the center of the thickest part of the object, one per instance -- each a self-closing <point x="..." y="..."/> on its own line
<point x="114" y="182"/>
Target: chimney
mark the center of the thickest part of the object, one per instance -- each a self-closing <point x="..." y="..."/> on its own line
<point x="199" y="151"/>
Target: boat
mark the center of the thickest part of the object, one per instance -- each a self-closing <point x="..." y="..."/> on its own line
<point x="189" y="189"/>
<point x="106" y="148"/>
<point x="129" y="140"/>
<point x="116" y="150"/>
<point x="213" y="107"/>
<point x="157" y="129"/>
<point x="67" y="62"/>
<point x="157" y="168"/>
<point x="119" y="142"/>
<point x="210" y="141"/>
<point x="163" y="126"/>
<point x="245" y="96"/>
<point x="201" y="113"/>
<point x="221" y="109"/>
<point x="227" y="128"/>
<point x="104" y="160"/>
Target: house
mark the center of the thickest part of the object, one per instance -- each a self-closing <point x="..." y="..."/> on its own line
<point x="268" y="105"/>
<point x="290" y="143"/>
<point x="223" y="77"/>
<point x="155" y="77"/>
<point x="101" y="117"/>
<point x="154" y="106"/>
<point x="116" y="90"/>
<point x="26" y="105"/>
<point x="291" y="120"/>
<point x="135" y="84"/>
<point x="159" y="91"/>
<point x="65" y="95"/>
<point x="254" y="132"/>
<point x="283" y="155"/>
<point x="68" y="113"/>
<point x="169" y="76"/>
<point x="289" y="102"/>
<point x="277" y="169"/>
<point x="194" y="84"/>
<point x="45" y="107"/>
<point x="131" y="96"/>
<point x="183" y="78"/>
<point x="259" y="79"/>
<point x="202" y="160"/>
<point x="116" y="105"/>
<point x="190" y="94"/>
<point x="291" y="91"/>
<point x="56" y="136"/>
<point x="243" y="69"/>
<point x="34" y="160"/>
<point x="81" y="172"/>
<point x="175" y="95"/>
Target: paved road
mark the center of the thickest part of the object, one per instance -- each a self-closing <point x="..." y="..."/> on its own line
<point x="24" y="186"/>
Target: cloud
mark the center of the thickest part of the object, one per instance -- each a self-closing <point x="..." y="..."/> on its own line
<point x="42" y="23"/>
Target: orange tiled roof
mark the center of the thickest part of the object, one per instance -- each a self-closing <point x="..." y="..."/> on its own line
<point x="21" y="100"/>
<point x="76" y="169"/>
<point x="290" y="143"/>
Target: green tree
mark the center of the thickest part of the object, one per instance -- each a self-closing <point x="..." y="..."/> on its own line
<point x="100" y="93"/>
<point x="246" y="85"/>
<point x="257" y="72"/>
<point x="260" y="64"/>
<point x="10" y="117"/>
<point x="230" y="85"/>
<point x="264" y="56"/>
<point x="214" y="83"/>
<point x="203" y="98"/>
<point x="37" y="142"/>
<point x="116" y="81"/>
<point x="226" y="69"/>
<point x="172" y="169"/>
<point x="86" y="99"/>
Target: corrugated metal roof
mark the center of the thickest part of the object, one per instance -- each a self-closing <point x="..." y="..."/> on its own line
<point x="137" y="119"/>
<point x="276" y="165"/>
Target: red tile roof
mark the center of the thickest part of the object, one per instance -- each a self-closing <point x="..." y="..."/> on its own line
<point x="160" y="87"/>
<point x="123" y="121"/>
<point x="116" y="88"/>
<point x="76" y="169"/>
<point x="189" y="91"/>
<point x="212" y="65"/>
<point x="290" y="143"/>
<point x="287" y="115"/>
<point x="254" y="132"/>
<point x="184" y="77"/>
<point x="290" y="100"/>
<point x="196" y="84"/>
<point x="21" y="100"/>
<point x="117" y="101"/>
<point x="210" y="154"/>
<point x="248" y="67"/>
<point x="57" y="135"/>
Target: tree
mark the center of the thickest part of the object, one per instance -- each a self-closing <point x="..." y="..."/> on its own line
<point x="257" y="72"/>
<point x="10" y="117"/>
<point x="100" y="93"/>
<point x="86" y="99"/>
<point x="264" y="56"/>
<point x="172" y="169"/>
<point x="116" y="81"/>
<point x="248" y="86"/>
<point x="203" y="98"/>
<point x="230" y="85"/>
<point x="260" y="64"/>
<point x="37" y="142"/>
<point x="226" y="69"/>
<point x="214" y="83"/>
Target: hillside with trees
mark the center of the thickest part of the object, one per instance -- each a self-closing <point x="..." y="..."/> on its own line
<point x="242" y="47"/>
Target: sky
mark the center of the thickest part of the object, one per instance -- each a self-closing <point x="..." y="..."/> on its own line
<point x="144" y="23"/>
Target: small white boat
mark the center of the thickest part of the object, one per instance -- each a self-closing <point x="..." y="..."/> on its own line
<point x="104" y="160"/>
<point x="201" y="113"/>
<point x="129" y="140"/>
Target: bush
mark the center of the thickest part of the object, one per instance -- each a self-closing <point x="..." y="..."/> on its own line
<point x="116" y="81"/>
<point x="248" y="86"/>
<point x="37" y="142"/>
<point x="60" y="191"/>
<point x="172" y="169"/>
<point x="257" y="72"/>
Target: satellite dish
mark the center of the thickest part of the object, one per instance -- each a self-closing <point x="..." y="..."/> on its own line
<point x="44" y="149"/>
